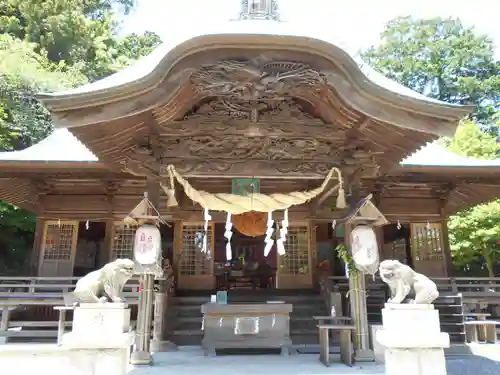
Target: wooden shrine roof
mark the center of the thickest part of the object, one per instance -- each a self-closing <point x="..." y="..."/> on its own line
<point x="294" y="102"/>
<point x="460" y="183"/>
<point x="262" y="98"/>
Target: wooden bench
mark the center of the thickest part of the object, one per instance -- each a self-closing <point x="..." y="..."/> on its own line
<point x="481" y="330"/>
<point x="346" y="346"/>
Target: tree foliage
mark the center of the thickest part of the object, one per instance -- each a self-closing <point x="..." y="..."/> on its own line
<point x="474" y="233"/>
<point x="473" y="237"/>
<point x="471" y="141"/>
<point x="442" y="59"/>
<point x="80" y="33"/>
<point x="23" y="73"/>
<point x="51" y="45"/>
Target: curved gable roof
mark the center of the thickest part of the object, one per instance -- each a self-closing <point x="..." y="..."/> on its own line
<point x="147" y="71"/>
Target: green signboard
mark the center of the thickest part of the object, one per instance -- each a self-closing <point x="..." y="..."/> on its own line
<point x="245" y="186"/>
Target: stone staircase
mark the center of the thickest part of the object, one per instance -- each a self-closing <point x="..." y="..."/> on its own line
<point x="185" y="319"/>
<point x="450" y="309"/>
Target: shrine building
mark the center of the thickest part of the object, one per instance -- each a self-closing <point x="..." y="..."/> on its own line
<point x="248" y="106"/>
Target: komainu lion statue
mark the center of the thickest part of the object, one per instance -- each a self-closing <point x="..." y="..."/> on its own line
<point x="402" y="279"/>
<point x="103" y="285"/>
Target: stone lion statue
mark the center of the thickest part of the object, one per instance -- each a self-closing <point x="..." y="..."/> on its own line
<point x="103" y="285"/>
<point x="402" y="279"/>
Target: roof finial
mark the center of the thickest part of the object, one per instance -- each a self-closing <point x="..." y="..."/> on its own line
<point x="259" y="10"/>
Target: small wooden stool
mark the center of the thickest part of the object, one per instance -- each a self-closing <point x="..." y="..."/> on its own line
<point x="481" y="330"/>
<point x="346" y="346"/>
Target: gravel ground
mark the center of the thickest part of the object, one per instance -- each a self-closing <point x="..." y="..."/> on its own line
<point x="473" y="365"/>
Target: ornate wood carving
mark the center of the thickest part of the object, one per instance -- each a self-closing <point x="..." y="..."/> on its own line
<point x="277" y="168"/>
<point x="259" y="137"/>
<point x="254" y="80"/>
<point x="283" y="119"/>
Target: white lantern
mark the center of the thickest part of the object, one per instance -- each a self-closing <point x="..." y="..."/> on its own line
<point x="147" y="244"/>
<point x="364" y="249"/>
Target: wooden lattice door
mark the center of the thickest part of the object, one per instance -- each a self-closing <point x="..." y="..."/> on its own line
<point x="195" y="268"/>
<point x="294" y="267"/>
<point x="427" y="249"/>
<point x="58" y="248"/>
<point x="122" y="242"/>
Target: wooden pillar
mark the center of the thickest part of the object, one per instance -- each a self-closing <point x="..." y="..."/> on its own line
<point x="108" y="243"/>
<point x="37" y="247"/>
<point x="359" y="313"/>
<point x="448" y="261"/>
<point x="142" y="353"/>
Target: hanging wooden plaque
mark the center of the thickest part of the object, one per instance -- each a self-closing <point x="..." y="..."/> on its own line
<point x="245" y="186"/>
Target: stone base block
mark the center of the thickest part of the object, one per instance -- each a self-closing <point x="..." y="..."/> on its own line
<point x="101" y="319"/>
<point x="411" y="319"/>
<point x="378" y="349"/>
<point x="141" y="359"/>
<point x="415" y="362"/>
<point x="76" y="340"/>
<point x="412" y="340"/>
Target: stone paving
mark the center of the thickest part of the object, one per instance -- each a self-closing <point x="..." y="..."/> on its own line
<point x="190" y="361"/>
<point x="51" y="360"/>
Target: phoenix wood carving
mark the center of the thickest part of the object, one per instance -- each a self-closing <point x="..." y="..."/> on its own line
<point x="254" y="80"/>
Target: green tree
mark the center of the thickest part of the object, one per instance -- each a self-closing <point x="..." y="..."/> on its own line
<point x="473" y="236"/>
<point x="442" y="59"/>
<point x="474" y="233"/>
<point x="80" y="33"/>
<point x="23" y="73"/>
<point x="471" y="141"/>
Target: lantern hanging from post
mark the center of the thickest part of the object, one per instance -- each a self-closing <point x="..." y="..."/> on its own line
<point x="147" y="244"/>
<point x="364" y="248"/>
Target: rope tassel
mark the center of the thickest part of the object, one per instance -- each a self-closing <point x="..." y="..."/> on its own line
<point x="283" y="233"/>
<point x="269" y="232"/>
<point x="228" y="234"/>
<point x="207" y="218"/>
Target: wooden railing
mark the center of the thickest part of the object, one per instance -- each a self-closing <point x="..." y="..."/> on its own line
<point x="474" y="290"/>
<point x="28" y="302"/>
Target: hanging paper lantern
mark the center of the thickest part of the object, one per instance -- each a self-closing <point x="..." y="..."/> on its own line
<point x="364" y="249"/>
<point x="251" y="224"/>
<point x="147" y="244"/>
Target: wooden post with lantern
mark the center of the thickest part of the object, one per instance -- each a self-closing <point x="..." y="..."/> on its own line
<point x="147" y="255"/>
<point x="361" y="242"/>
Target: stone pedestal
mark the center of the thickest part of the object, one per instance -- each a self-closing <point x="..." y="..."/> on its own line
<point x="413" y="341"/>
<point x="100" y="331"/>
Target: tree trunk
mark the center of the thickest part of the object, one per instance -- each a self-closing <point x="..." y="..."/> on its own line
<point x="488" y="261"/>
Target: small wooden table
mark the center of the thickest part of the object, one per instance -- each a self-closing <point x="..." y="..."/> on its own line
<point x="478" y="316"/>
<point x="61" y="323"/>
<point x="346" y="346"/>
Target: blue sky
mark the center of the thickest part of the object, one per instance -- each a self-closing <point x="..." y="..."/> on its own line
<point x="357" y="22"/>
